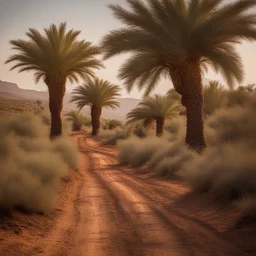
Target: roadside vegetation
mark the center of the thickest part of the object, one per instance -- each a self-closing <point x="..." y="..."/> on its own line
<point x="226" y="168"/>
<point x="77" y="119"/>
<point x="156" y="109"/>
<point x="202" y="135"/>
<point x="32" y="166"/>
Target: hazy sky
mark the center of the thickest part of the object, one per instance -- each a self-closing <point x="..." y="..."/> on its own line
<point x="94" y="19"/>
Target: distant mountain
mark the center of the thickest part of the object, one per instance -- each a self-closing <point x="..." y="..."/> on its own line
<point x="11" y="88"/>
<point x="12" y="91"/>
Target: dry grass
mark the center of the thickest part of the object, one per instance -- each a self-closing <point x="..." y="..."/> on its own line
<point x="14" y="106"/>
<point x="230" y="125"/>
<point x="227" y="171"/>
<point x="111" y="137"/>
<point x="31" y="165"/>
<point x="137" y="152"/>
<point x="171" y="165"/>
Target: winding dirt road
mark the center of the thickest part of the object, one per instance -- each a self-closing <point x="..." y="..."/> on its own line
<point x="111" y="211"/>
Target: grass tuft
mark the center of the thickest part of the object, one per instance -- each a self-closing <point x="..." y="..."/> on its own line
<point x="31" y="165"/>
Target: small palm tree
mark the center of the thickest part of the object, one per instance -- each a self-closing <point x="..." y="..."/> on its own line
<point x="77" y="119"/>
<point x="55" y="57"/>
<point x="156" y="108"/>
<point x="178" y="39"/>
<point x="97" y="94"/>
<point x="215" y="97"/>
<point x="247" y="88"/>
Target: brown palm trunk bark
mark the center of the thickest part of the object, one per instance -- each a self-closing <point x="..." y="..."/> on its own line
<point x="95" y="116"/>
<point x="76" y="127"/>
<point x="187" y="81"/>
<point x="56" y="95"/>
<point x="159" y="126"/>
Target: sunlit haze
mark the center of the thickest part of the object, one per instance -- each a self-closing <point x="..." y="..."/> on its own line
<point x="94" y="19"/>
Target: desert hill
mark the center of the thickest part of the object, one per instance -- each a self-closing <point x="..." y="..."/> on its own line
<point x="13" y="92"/>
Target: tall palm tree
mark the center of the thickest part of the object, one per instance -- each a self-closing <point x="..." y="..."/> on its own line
<point x="55" y="57"/>
<point x="158" y="108"/>
<point x="178" y="39"/>
<point x="97" y="94"/>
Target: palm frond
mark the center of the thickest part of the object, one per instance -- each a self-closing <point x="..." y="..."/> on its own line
<point x="154" y="107"/>
<point x="163" y="35"/>
<point x="96" y="92"/>
<point x="55" y="54"/>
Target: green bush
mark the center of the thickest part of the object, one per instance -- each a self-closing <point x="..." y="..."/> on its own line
<point x="31" y="165"/>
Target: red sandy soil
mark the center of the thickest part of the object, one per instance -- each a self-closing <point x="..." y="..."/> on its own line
<point x="106" y="210"/>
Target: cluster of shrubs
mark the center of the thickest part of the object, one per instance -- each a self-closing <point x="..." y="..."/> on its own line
<point x="227" y="168"/>
<point x="32" y="166"/>
<point x="123" y="132"/>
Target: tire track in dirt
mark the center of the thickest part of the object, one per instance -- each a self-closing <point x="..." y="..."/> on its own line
<point x="157" y="238"/>
<point x="96" y="225"/>
<point x="105" y="230"/>
<point x="204" y="240"/>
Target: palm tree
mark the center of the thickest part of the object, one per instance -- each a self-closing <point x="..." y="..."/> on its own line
<point x="179" y="39"/>
<point x="215" y="97"/>
<point x="97" y="94"/>
<point x="55" y="57"/>
<point x="77" y="119"/>
<point x="247" y="88"/>
<point x="156" y="108"/>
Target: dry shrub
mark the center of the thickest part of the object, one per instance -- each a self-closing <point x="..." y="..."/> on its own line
<point x="31" y="165"/>
<point x="228" y="171"/>
<point x="171" y="165"/>
<point x="111" y="137"/>
<point x="238" y="98"/>
<point x="23" y="125"/>
<point x="247" y="204"/>
<point x="137" y="152"/>
<point x="176" y="128"/>
<point x="233" y="124"/>
<point x="141" y="131"/>
<point x="68" y="150"/>
<point x="168" y="150"/>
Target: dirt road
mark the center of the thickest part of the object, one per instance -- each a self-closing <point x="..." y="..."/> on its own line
<point x="109" y="210"/>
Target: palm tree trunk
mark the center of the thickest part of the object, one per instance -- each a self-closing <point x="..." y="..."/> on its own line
<point x="159" y="126"/>
<point x="76" y="127"/>
<point x="95" y="116"/>
<point x="188" y="81"/>
<point x="56" y="94"/>
<point x="56" y="105"/>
